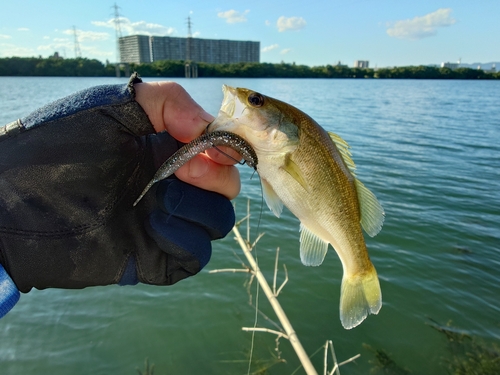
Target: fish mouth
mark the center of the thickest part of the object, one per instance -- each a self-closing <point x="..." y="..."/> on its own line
<point x="230" y="111"/>
<point x="231" y="105"/>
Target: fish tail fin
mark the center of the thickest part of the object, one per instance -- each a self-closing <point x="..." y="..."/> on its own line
<point x="360" y="296"/>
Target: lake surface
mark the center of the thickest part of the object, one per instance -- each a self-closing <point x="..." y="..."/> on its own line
<point x="429" y="150"/>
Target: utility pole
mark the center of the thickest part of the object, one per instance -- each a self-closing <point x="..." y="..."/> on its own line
<point x="78" y="53"/>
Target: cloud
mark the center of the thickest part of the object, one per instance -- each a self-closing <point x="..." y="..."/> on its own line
<point x="290" y="23"/>
<point x="421" y="27"/>
<point x="87" y="36"/>
<point x="269" y="48"/>
<point x="267" y="23"/>
<point x="233" y="16"/>
<point x="8" y="50"/>
<point x="57" y="44"/>
<point x="285" y="51"/>
<point x="3" y="36"/>
<point x="23" y="29"/>
<point x="133" y="28"/>
<point x="66" y="46"/>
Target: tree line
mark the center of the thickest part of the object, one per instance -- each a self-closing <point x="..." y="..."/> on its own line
<point x="83" y="67"/>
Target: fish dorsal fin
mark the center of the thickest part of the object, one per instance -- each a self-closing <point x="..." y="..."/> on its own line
<point x="273" y="201"/>
<point x="372" y="213"/>
<point x="294" y="170"/>
<point x="343" y="148"/>
<point x="312" y="248"/>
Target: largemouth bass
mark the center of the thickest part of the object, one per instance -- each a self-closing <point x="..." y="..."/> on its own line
<point x="201" y="144"/>
<point x="311" y="172"/>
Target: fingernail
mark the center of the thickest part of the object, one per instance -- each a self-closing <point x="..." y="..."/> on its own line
<point x="197" y="167"/>
<point x="205" y="116"/>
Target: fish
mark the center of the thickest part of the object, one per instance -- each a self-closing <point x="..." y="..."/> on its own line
<point x="201" y="144"/>
<point x="310" y="171"/>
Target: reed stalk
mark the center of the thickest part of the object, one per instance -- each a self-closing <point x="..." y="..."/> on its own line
<point x="280" y="313"/>
<point x="286" y="330"/>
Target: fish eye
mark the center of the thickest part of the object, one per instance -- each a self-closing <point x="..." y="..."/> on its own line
<point x="255" y="99"/>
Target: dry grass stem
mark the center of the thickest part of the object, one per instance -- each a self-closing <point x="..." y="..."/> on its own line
<point x="280" y="313"/>
<point x="257" y="329"/>
<point x="285" y="330"/>
<point x="276" y="293"/>
<point x="238" y="223"/>
<point x="233" y="270"/>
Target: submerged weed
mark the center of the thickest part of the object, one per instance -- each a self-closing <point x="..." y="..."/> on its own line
<point x="384" y="364"/>
<point x="149" y="370"/>
<point x="469" y="355"/>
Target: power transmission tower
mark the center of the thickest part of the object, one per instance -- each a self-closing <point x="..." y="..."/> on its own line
<point x="118" y="31"/>
<point x="78" y="52"/>
<point x="190" y="68"/>
<point x="188" y="44"/>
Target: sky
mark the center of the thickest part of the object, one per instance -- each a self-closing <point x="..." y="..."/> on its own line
<point x="316" y="32"/>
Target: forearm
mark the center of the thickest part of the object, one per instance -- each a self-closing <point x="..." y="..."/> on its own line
<point x="56" y="194"/>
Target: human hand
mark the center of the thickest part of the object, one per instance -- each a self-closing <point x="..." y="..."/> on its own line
<point x="169" y="107"/>
<point x="70" y="176"/>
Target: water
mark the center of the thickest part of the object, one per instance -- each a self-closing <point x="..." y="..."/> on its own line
<point x="430" y="152"/>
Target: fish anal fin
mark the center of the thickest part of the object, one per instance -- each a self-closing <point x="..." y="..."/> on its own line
<point x="312" y="248"/>
<point x="273" y="201"/>
<point x="372" y="213"/>
<point x="360" y="295"/>
<point x="294" y="170"/>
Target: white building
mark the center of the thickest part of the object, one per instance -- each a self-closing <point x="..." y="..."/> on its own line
<point x="146" y="49"/>
<point x="361" y="64"/>
<point x="450" y="65"/>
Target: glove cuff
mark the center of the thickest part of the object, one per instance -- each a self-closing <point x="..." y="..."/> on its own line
<point x="9" y="294"/>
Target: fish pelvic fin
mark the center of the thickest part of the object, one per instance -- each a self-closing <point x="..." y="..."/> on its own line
<point x="273" y="201"/>
<point x="360" y="295"/>
<point x="312" y="248"/>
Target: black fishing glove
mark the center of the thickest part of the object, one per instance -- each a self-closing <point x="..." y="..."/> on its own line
<point x="69" y="175"/>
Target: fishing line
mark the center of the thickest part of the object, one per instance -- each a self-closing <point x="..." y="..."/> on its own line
<point x="252" y="345"/>
<point x="230" y="157"/>
<point x="254" y="248"/>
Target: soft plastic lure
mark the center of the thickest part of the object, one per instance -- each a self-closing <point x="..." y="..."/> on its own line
<point x="201" y="144"/>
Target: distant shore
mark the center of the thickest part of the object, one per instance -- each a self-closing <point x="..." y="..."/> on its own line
<point x="82" y="67"/>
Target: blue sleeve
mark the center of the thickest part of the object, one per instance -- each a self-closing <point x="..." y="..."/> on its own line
<point x="93" y="97"/>
<point x="9" y="294"/>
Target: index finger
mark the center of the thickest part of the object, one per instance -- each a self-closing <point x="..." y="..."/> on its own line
<point x="169" y="107"/>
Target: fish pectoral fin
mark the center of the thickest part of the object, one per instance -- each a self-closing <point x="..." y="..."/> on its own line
<point x="372" y="213"/>
<point x="273" y="201"/>
<point x="312" y="248"/>
<point x="294" y="170"/>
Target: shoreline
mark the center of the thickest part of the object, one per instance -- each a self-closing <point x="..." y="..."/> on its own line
<point x="82" y="67"/>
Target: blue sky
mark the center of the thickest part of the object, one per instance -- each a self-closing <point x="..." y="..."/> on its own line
<point x="385" y="32"/>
